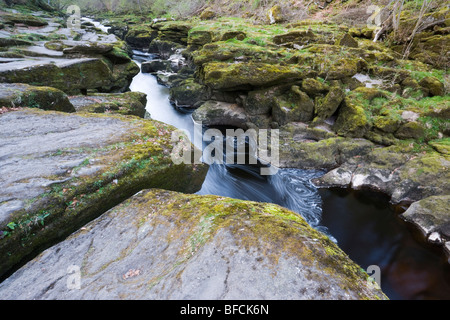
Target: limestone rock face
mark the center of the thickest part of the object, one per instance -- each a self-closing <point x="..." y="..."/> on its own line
<point x="66" y="169"/>
<point x="166" y="245"/>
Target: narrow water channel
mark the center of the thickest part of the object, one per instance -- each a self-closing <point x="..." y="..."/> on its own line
<point x="363" y="224"/>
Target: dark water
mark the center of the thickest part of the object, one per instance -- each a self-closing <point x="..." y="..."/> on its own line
<point x="363" y="224"/>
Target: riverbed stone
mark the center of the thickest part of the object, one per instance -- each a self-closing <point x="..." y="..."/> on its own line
<point x="66" y="169"/>
<point x="167" y="245"/>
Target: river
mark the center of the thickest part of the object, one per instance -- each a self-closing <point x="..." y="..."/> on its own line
<point x="363" y="224"/>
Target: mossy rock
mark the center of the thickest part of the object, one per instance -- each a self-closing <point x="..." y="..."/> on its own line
<point x="326" y="107"/>
<point x="76" y="168"/>
<point x="430" y="215"/>
<point x="275" y="15"/>
<point x="393" y="74"/>
<point x="218" y="113"/>
<point x="433" y="86"/>
<point x="293" y="106"/>
<point x="370" y="93"/>
<point x="207" y="14"/>
<point x="238" y="35"/>
<point x="441" y="145"/>
<point x="155" y="65"/>
<point x="259" y="102"/>
<point x="341" y="68"/>
<point x="13" y="42"/>
<point x="388" y="123"/>
<point x="140" y="37"/>
<point x="69" y="76"/>
<point x="410" y="130"/>
<point x="56" y="45"/>
<point x="198" y="38"/>
<point x="23" y="95"/>
<point x="232" y="76"/>
<point x="314" y="87"/>
<point x="164" y="48"/>
<point x="297" y="37"/>
<point x="122" y="75"/>
<point x="89" y="48"/>
<point x="351" y="121"/>
<point x="188" y="93"/>
<point x="347" y="41"/>
<point x="181" y="246"/>
<point x="27" y="19"/>
<point x="128" y="103"/>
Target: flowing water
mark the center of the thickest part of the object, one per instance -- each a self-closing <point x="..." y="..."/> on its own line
<point x="363" y="224"/>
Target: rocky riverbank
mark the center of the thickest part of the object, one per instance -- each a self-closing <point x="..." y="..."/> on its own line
<point x="341" y="101"/>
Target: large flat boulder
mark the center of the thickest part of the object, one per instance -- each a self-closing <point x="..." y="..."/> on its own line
<point x="241" y="76"/>
<point x="167" y="245"/>
<point x="59" y="170"/>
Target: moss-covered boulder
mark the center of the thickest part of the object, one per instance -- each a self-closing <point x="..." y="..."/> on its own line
<point x="21" y="18"/>
<point x="261" y="101"/>
<point x="89" y="48"/>
<point x="198" y="38"/>
<point x="388" y="122"/>
<point x="67" y="169"/>
<point x="154" y="66"/>
<point x="327" y="106"/>
<point x="128" y="103"/>
<point x="140" y="37"/>
<point x="275" y="14"/>
<point x="167" y="245"/>
<point x="13" y="42"/>
<point x="433" y="85"/>
<point x="293" y="106"/>
<point x="164" y="48"/>
<point x="314" y="87"/>
<point x="352" y="120"/>
<point x="232" y="76"/>
<point x="410" y="130"/>
<point x="23" y="95"/>
<point x="70" y="76"/>
<point x="207" y="14"/>
<point x="188" y="93"/>
<point x="219" y="113"/>
<point x="347" y="41"/>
